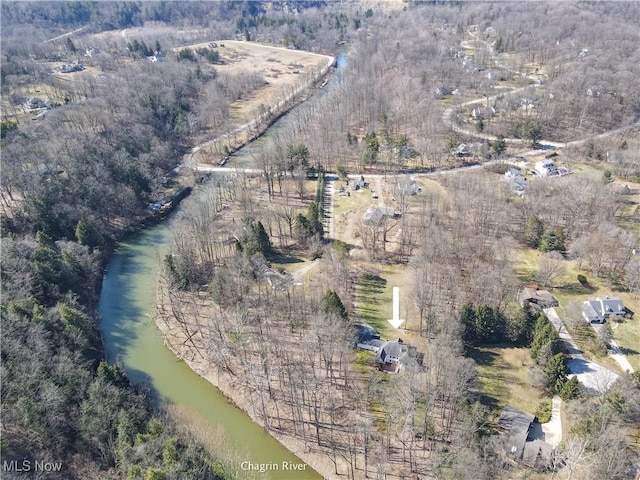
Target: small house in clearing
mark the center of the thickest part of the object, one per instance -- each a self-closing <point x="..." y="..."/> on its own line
<point x="375" y="215"/>
<point x="367" y="338"/>
<point x="599" y="309"/>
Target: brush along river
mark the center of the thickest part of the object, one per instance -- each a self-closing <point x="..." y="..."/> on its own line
<point x="127" y="307"/>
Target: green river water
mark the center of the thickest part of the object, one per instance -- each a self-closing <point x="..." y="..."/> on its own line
<point x="127" y="306"/>
<point x="131" y="337"/>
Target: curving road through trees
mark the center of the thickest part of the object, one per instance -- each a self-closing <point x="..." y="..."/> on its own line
<point x="447" y="115"/>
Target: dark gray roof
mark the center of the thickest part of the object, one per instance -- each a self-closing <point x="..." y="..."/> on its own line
<point x="394" y="351"/>
<point x="365" y="332"/>
<point x="534" y="295"/>
<point x="516" y="423"/>
<point x="537" y="454"/>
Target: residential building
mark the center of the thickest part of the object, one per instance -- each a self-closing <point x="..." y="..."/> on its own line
<point x="546" y="168"/>
<point x="392" y="356"/>
<point x="599" y="309"/>
<point x="535" y="296"/>
<point x="523" y="440"/>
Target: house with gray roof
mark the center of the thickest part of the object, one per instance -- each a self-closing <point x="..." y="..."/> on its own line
<point x="367" y="338"/>
<point x="375" y="215"/>
<point x="535" y="296"/>
<point x="597" y="310"/>
<point x="392" y="355"/>
<point x="523" y="440"/>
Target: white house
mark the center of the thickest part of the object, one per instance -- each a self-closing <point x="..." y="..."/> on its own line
<point x="599" y="309"/>
<point x="512" y="172"/>
<point x="391" y="356"/>
<point x="375" y="215"/>
<point x="546" y="168"/>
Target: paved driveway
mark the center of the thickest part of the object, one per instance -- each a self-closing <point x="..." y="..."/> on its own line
<point x="615" y="351"/>
<point x="595" y="378"/>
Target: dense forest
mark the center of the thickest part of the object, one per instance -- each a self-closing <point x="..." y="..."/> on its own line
<point x="81" y="175"/>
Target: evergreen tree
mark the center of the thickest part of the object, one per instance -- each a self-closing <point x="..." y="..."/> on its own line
<point x="499" y="145"/>
<point x="553" y="240"/>
<point x="302" y="230"/>
<point x="545" y="337"/>
<point x="332" y="304"/>
<point x="484" y="322"/>
<point x="69" y="45"/>
<point x="532" y="130"/>
<point x="467" y="317"/>
<point x="533" y="230"/>
<point x="570" y="389"/>
<point x="256" y="240"/>
<point x="86" y="234"/>
<point x="556" y="371"/>
<point x="313" y="215"/>
<point x="372" y="143"/>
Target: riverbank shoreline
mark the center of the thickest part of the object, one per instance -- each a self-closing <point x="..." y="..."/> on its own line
<point x="187" y="346"/>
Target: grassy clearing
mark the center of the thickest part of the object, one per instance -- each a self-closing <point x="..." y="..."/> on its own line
<point x="344" y="204"/>
<point x="526" y="265"/>
<point x="375" y="292"/>
<point x="627" y="333"/>
<point x="374" y="297"/>
<point x="290" y="263"/>
<point x="628" y="213"/>
<point x="503" y="373"/>
<point x="587" y="171"/>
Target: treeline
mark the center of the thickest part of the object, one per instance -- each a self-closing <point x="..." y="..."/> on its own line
<point x="486" y="325"/>
<point x="71" y="186"/>
<point x="60" y="401"/>
<point x="74" y="183"/>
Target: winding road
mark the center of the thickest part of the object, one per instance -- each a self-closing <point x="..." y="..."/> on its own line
<point x="448" y="114"/>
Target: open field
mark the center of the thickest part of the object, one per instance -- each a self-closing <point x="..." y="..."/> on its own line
<point x="503" y="373"/>
<point x="284" y="70"/>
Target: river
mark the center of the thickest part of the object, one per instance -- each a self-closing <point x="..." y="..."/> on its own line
<point x="127" y="307"/>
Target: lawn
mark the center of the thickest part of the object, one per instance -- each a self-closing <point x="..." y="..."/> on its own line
<point x="503" y="374"/>
<point x="627" y="333"/>
<point x="374" y="300"/>
<point x="344" y="204"/>
<point x="375" y="292"/>
<point x="526" y="265"/>
<point x="288" y="262"/>
<point x="570" y="290"/>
